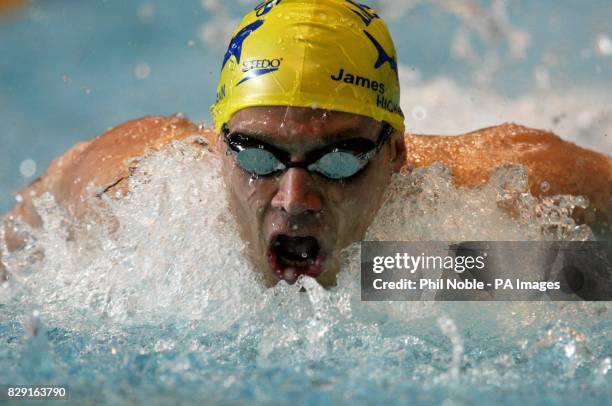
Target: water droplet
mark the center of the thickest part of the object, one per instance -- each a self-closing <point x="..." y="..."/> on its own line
<point x="419" y="113"/>
<point x="27" y="168"/>
<point x="146" y="13"/>
<point x="142" y="71"/>
<point x="604" y="45"/>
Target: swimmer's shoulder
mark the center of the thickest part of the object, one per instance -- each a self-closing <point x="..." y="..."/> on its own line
<point x="474" y="154"/>
<point x="564" y="167"/>
<point x="106" y="161"/>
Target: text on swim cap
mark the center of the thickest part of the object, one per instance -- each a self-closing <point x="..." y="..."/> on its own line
<point x="261" y="64"/>
<point x="258" y="67"/>
<point x="389" y="105"/>
<point x="359" y="81"/>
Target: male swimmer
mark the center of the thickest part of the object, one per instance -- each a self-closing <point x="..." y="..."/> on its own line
<point x="309" y="126"/>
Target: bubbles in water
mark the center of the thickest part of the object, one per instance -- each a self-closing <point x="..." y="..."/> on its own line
<point x="542" y="77"/>
<point x="448" y="327"/>
<point x="605" y="367"/>
<point x="604" y="45"/>
<point x="585" y="119"/>
<point x="436" y="210"/>
<point x="212" y="5"/>
<point x="419" y="113"/>
<point x="468" y="108"/>
<point x="146" y="12"/>
<point x="27" y="168"/>
<point x="162" y="289"/>
<point x="142" y="71"/>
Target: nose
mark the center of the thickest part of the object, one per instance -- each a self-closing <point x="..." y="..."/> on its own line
<point x="296" y="193"/>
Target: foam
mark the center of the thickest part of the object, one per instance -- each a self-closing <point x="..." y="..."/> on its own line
<point x="167" y="274"/>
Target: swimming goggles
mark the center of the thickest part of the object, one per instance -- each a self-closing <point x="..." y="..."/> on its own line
<point x="337" y="161"/>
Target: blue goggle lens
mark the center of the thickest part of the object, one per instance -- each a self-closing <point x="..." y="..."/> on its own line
<point x="337" y="165"/>
<point x="258" y="161"/>
<point x="334" y="165"/>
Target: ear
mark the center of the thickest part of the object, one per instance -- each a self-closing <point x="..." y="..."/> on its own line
<point x="398" y="151"/>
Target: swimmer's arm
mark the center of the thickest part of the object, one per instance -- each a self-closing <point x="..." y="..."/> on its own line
<point x="555" y="166"/>
<point x="106" y="162"/>
<point x="102" y="165"/>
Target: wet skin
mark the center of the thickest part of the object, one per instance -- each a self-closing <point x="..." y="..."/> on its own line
<point x="107" y="162"/>
<point x="299" y="203"/>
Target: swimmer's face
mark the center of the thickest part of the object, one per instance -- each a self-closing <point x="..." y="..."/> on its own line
<point x="296" y="221"/>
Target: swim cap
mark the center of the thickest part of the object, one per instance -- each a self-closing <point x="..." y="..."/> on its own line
<point x="329" y="54"/>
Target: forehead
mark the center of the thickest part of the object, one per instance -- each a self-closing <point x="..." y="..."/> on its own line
<point x="289" y="126"/>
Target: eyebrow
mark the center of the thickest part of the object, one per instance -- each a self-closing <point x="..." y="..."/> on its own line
<point x="328" y="140"/>
<point x="358" y="143"/>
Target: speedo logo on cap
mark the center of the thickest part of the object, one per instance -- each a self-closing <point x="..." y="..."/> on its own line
<point x="235" y="47"/>
<point x="253" y="68"/>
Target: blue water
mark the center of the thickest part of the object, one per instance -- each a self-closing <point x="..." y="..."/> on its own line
<point x="167" y="308"/>
<point x="67" y="67"/>
<point x="155" y="316"/>
<point x="383" y="361"/>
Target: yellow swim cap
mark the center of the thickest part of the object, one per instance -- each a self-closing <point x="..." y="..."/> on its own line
<point x="329" y="54"/>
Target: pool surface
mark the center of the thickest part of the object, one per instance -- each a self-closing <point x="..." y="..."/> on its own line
<point x="161" y="306"/>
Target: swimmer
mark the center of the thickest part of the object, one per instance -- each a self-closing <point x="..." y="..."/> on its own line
<point x="310" y="130"/>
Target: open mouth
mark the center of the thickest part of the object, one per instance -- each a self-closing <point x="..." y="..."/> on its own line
<point x="289" y="257"/>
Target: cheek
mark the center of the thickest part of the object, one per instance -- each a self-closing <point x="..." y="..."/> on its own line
<point x="356" y="203"/>
<point x="248" y="197"/>
<point x="365" y="191"/>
